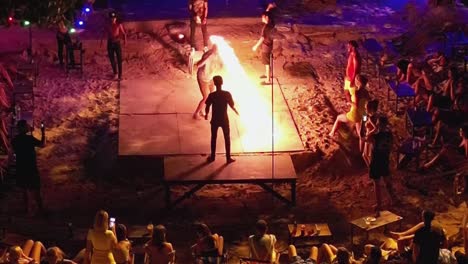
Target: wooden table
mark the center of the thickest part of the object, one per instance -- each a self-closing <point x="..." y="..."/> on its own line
<point x="311" y="231"/>
<point x="385" y="218"/>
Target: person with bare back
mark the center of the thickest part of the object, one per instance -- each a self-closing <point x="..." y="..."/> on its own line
<point x="206" y="69"/>
<point x="115" y="33"/>
<point x="353" y="67"/>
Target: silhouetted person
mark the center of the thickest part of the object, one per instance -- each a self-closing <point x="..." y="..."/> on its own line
<point x="115" y="34"/>
<point x="220" y="100"/>
<point x="427" y="241"/>
<point x="64" y="39"/>
<point x="27" y="174"/>
<point x="198" y="16"/>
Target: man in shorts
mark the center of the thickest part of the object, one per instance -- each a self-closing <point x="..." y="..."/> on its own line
<point x="266" y="42"/>
<point x="198" y="17"/>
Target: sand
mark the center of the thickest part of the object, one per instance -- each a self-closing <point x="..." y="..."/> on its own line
<point x="81" y="172"/>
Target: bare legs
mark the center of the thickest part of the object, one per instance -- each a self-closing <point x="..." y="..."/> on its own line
<point x="378" y="192"/>
<point x="34" y="250"/>
<point x="339" y="119"/>
<point x="205" y="88"/>
<point x="312" y="255"/>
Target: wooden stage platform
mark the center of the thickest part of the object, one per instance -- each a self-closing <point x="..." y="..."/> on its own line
<point x="248" y="169"/>
<point x="156" y="120"/>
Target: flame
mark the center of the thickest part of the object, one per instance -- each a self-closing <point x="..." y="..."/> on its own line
<point x="254" y="109"/>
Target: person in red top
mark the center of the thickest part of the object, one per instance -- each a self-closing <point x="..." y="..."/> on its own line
<point x="353" y="67"/>
<point x="115" y="34"/>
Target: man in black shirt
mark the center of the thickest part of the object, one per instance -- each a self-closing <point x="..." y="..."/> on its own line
<point x="427" y="241"/>
<point x="27" y="174"/>
<point x="380" y="160"/>
<point x="220" y="100"/>
<point x="266" y="40"/>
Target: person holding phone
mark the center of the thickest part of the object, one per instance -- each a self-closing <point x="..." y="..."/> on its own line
<point x="122" y="252"/>
<point x="100" y="241"/>
<point x="27" y="174"/>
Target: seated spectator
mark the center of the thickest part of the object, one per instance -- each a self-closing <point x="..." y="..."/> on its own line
<point x="122" y="252"/>
<point x="413" y="72"/>
<point x="428" y="241"/>
<point x="438" y="62"/>
<point x="445" y="97"/>
<point x="329" y="254"/>
<point x="158" y="250"/>
<point x="262" y="244"/>
<point x="206" y="248"/>
<point x="30" y="253"/>
<point x="454" y="152"/>
<point x="368" y="127"/>
<point x="100" y="241"/>
<point x="402" y="70"/>
<point x="374" y="256"/>
<point x="295" y="259"/>
<point x="462" y="256"/>
<point x="359" y="97"/>
<point x="55" y="255"/>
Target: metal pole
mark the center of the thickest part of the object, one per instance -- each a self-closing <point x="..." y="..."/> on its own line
<point x="272" y="118"/>
<point x="30" y="44"/>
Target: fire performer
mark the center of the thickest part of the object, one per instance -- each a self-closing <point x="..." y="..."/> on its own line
<point x="266" y="40"/>
<point x="115" y="33"/>
<point x="198" y="14"/>
<point x="220" y="100"/>
<point x="207" y="67"/>
<point x="353" y="68"/>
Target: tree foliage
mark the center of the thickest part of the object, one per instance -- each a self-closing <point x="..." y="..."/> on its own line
<point x="38" y="11"/>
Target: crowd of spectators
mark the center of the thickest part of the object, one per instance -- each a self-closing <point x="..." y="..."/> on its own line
<point x="106" y="243"/>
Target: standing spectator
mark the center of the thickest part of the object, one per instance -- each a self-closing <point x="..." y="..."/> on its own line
<point x="122" y="252"/>
<point x="115" y="34"/>
<point x="100" y="241"/>
<point x="220" y="100"/>
<point x="64" y="39"/>
<point x="198" y="16"/>
<point x="262" y="244"/>
<point x="380" y="160"/>
<point x="368" y="127"/>
<point x="353" y="67"/>
<point x="427" y="241"/>
<point x="158" y="250"/>
<point x="266" y="40"/>
<point x="27" y="174"/>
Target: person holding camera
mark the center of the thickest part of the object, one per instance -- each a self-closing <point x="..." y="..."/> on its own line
<point x="198" y="16"/>
<point x="27" y="174"/>
<point x="101" y="241"/>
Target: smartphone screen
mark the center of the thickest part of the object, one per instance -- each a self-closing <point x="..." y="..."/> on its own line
<point x="112" y="222"/>
<point x="364" y="118"/>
